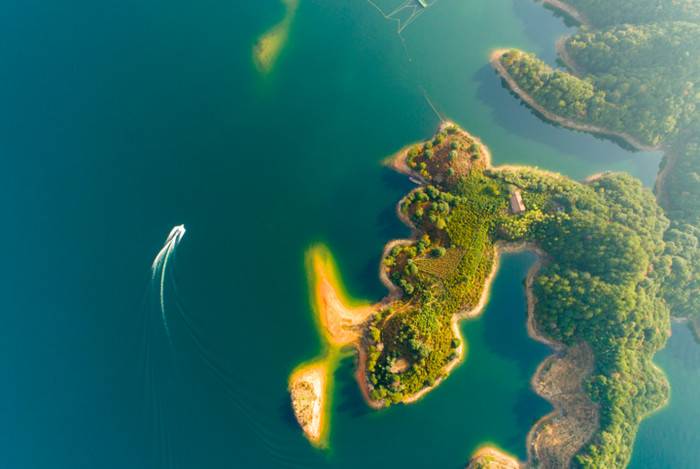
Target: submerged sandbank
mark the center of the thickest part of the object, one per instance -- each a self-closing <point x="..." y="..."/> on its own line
<point x="268" y="48"/>
<point x="340" y="322"/>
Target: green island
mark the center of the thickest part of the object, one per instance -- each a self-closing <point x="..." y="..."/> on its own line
<point x="595" y="296"/>
<point x="597" y="289"/>
<point x="616" y="260"/>
<point x="630" y="74"/>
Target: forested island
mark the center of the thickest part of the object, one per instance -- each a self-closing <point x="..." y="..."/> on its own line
<point x="615" y="260"/>
<point x="595" y="296"/>
<point x="631" y="73"/>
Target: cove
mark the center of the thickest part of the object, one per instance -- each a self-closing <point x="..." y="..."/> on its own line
<point x="671" y="437"/>
<point x="487" y="399"/>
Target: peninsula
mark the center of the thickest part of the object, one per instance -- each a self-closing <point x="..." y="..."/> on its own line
<point x="593" y="297"/>
<point x="631" y="75"/>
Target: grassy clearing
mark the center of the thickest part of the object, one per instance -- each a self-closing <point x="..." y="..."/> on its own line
<point x="442" y="267"/>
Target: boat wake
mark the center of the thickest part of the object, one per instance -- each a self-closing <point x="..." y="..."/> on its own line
<point x="160" y="267"/>
<point x="160" y="382"/>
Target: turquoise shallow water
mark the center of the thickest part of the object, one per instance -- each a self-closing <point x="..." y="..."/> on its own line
<point x="671" y="438"/>
<point x="123" y="119"/>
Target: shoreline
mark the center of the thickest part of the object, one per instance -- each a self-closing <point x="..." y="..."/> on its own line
<point x="327" y="281"/>
<point x="566" y="59"/>
<point x="563" y="407"/>
<point x="308" y="387"/>
<point x="340" y="324"/>
<point x="483" y="148"/>
<point x="398" y="162"/>
<point x="494" y="458"/>
<point x="340" y="321"/>
<point x="499" y="248"/>
<point x="457" y="318"/>
<point x="538" y="381"/>
<point x="670" y="159"/>
<point x="495" y="59"/>
<point x="695" y="328"/>
<point x="569" y="10"/>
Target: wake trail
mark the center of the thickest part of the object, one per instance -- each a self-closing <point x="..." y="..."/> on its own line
<point x="277" y="447"/>
<point x="160" y="427"/>
<point x="160" y="267"/>
<point x="233" y="390"/>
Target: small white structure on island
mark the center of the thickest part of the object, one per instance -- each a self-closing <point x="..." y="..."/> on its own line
<point x="516" y="202"/>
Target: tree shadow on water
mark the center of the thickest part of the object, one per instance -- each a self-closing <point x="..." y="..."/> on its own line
<point x="540" y="24"/>
<point x="348" y="399"/>
<point x="388" y="222"/>
<point x="517" y="118"/>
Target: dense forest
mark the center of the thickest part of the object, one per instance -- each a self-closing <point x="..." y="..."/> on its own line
<point x="443" y="271"/>
<point x="679" y="194"/>
<point x="603" y="286"/>
<point x="601" y="283"/>
<point x="609" y="12"/>
<point x="638" y="79"/>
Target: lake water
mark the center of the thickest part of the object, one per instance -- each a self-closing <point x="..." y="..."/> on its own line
<point x="124" y="119"/>
<point x="671" y="438"/>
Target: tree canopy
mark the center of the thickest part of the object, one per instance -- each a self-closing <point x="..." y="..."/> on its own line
<point x="610" y="12"/>
<point x="601" y="283"/>
<point x="638" y="79"/>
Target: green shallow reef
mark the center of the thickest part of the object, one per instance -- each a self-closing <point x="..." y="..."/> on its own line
<point x="602" y="249"/>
